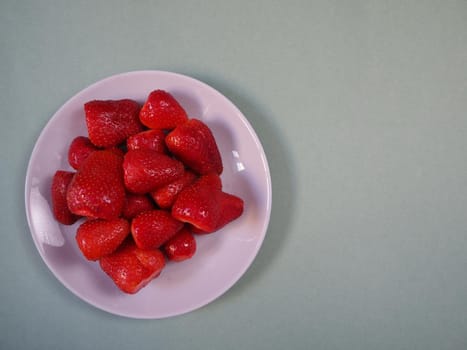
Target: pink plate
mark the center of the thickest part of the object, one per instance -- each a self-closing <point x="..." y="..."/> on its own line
<point x="221" y="259"/>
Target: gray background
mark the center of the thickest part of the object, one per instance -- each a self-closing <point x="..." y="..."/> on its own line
<point x="361" y="107"/>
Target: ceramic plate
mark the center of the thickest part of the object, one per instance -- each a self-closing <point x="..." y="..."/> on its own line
<point x="221" y="258"/>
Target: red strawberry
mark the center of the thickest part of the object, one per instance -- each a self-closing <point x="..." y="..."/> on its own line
<point x="165" y="196"/>
<point x="153" y="228"/>
<point x="132" y="268"/>
<point x="136" y="204"/>
<point x="118" y="151"/>
<point x="150" y="258"/>
<point x="198" y="204"/>
<point x="180" y="247"/>
<point x="153" y="139"/>
<point x="212" y="180"/>
<point x="194" y="144"/>
<point x="80" y="148"/>
<point x="162" y="111"/>
<point x="231" y="207"/>
<point x="146" y="170"/>
<point x="97" y="238"/>
<point x="97" y="189"/>
<point x="110" y="122"/>
<point x="60" y="183"/>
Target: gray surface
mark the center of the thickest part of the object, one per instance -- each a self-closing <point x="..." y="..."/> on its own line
<point x="362" y="109"/>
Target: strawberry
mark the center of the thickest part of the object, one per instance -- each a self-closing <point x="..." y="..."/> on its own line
<point x="117" y="150"/>
<point x="165" y="196"/>
<point x="194" y="144"/>
<point x="162" y="111"/>
<point x="110" y="122"/>
<point x="97" y="238"/>
<point x="132" y="268"/>
<point x="153" y="139"/>
<point x="231" y="207"/>
<point x="80" y="148"/>
<point x="97" y="189"/>
<point x="198" y="205"/>
<point x="146" y="170"/>
<point x="180" y="247"/>
<point x="151" y="229"/>
<point x="150" y="258"/>
<point x="60" y="183"/>
<point x="212" y="180"/>
<point x="136" y="204"/>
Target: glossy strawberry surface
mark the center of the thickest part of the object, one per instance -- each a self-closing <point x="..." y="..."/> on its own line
<point x="194" y="144"/>
<point x="97" y="189"/>
<point x="162" y="111"/>
<point x="136" y="204"/>
<point x="146" y="170"/>
<point x="231" y="208"/>
<point x="180" y="247"/>
<point x="80" y="148"/>
<point x="153" y="139"/>
<point x="131" y="268"/>
<point x="198" y="205"/>
<point x="97" y="237"/>
<point x="151" y="229"/>
<point x="60" y="182"/>
<point x="165" y="196"/>
<point x="111" y="122"/>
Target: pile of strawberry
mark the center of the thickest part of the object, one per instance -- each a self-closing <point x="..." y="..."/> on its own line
<point x="145" y="180"/>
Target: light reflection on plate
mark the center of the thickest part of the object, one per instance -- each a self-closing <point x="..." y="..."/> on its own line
<point x="221" y="258"/>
